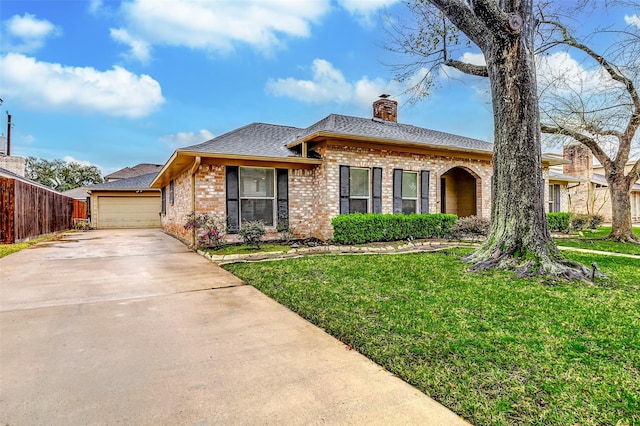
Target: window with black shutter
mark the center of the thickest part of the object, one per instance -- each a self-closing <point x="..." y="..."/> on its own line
<point x="424" y="191"/>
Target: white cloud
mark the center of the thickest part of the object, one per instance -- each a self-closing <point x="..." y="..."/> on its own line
<point x="181" y="139"/>
<point x="328" y="85"/>
<point x="364" y="10"/>
<point x="567" y="74"/>
<point x="220" y="25"/>
<point x="83" y="163"/>
<point x="27" y="33"/>
<point x="44" y="85"/>
<point x="139" y="49"/>
<point x="632" y="20"/>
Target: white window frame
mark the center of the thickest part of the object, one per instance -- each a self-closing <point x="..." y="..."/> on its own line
<point x="361" y="197"/>
<point x="417" y="197"/>
<point x="273" y="198"/>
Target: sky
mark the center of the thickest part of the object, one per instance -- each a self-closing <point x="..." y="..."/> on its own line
<point x="118" y="83"/>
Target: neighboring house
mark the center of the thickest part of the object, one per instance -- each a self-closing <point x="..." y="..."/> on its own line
<point x="591" y="194"/>
<point x="341" y="164"/>
<point x="125" y="203"/>
<point x="129" y="172"/>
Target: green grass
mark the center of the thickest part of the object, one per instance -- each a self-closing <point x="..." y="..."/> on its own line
<point x="243" y="249"/>
<point x="495" y="349"/>
<point x="592" y="240"/>
<point x="7" y="249"/>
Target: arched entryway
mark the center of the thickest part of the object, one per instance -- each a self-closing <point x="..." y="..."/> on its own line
<point x="459" y="192"/>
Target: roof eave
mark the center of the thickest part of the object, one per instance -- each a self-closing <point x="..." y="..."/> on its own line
<point x="187" y="153"/>
<point x="387" y="141"/>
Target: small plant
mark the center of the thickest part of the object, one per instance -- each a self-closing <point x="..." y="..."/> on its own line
<point x="209" y="229"/>
<point x="286" y="231"/>
<point x="470" y="226"/>
<point x="252" y="233"/>
<point x="580" y="222"/>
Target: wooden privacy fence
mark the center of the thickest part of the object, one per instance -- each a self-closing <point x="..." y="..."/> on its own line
<point x="28" y="211"/>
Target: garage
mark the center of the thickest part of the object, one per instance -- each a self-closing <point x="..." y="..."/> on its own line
<point x="125" y="203"/>
<point x="127" y="212"/>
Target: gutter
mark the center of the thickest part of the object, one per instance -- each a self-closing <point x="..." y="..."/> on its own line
<point x="194" y="170"/>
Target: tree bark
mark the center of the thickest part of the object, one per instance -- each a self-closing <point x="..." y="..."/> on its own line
<point x="621" y="229"/>
<point x="519" y="237"/>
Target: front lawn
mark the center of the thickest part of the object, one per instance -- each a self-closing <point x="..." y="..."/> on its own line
<point x="592" y="240"/>
<point x="495" y="349"/>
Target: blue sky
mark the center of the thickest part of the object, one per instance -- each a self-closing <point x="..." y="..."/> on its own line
<point x="117" y="83"/>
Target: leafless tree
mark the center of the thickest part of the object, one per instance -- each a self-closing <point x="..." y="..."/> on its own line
<point x="599" y="109"/>
<point x="505" y="32"/>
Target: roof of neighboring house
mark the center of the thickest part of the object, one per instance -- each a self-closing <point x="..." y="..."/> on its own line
<point x="136" y="183"/>
<point x="77" y="193"/>
<point x="601" y="180"/>
<point x="563" y="178"/>
<point x="129" y="172"/>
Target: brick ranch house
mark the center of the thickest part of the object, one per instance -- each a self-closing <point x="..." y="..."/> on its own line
<point x="339" y="165"/>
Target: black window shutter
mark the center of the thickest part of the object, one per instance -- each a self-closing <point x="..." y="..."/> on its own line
<point x="344" y="189"/>
<point x="163" y="200"/>
<point x="283" y="198"/>
<point x="233" y="200"/>
<point x="424" y="191"/>
<point x="556" y="190"/>
<point x="376" y="190"/>
<point x="397" y="191"/>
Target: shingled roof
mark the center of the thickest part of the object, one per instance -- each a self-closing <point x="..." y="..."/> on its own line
<point x="256" y="139"/>
<point x="141" y="182"/>
<point x="137" y="170"/>
<point x="270" y="140"/>
<point x="390" y="131"/>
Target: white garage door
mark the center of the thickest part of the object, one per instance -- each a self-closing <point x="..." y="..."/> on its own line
<point x="128" y="212"/>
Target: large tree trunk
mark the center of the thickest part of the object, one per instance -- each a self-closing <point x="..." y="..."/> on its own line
<point x="621" y="229"/>
<point x="519" y="237"/>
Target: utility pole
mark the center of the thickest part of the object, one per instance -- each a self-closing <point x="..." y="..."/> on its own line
<point x="8" y="134"/>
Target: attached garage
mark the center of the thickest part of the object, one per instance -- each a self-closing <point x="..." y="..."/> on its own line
<point x="134" y="211"/>
<point x="125" y="203"/>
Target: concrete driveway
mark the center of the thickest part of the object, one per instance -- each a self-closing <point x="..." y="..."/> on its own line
<point x="129" y="327"/>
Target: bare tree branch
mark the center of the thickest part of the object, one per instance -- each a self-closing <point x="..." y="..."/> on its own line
<point x="477" y="70"/>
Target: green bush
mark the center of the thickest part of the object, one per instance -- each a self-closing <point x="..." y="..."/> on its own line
<point x="470" y="226"/>
<point x="559" y="221"/>
<point x="361" y="228"/>
<point x="252" y="233"/>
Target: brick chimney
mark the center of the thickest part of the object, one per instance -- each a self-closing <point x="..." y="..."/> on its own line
<point x="385" y="109"/>
<point x="581" y="161"/>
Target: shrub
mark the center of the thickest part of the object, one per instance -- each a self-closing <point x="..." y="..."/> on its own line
<point x="470" y="226"/>
<point x="209" y="229"/>
<point x="559" y="221"/>
<point x="580" y="222"/>
<point x="361" y="228"/>
<point x="252" y="233"/>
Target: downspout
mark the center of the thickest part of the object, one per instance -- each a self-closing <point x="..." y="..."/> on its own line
<point x="194" y="170"/>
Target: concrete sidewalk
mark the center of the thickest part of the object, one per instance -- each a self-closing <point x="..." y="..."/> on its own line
<point x="129" y="327"/>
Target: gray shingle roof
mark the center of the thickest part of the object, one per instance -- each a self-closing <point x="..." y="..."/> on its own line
<point x="270" y="140"/>
<point x="77" y="193"/>
<point x="133" y="183"/>
<point x="137" y="170"/>
<point x="256" y="139"/>
<point x="392" y="131"/>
